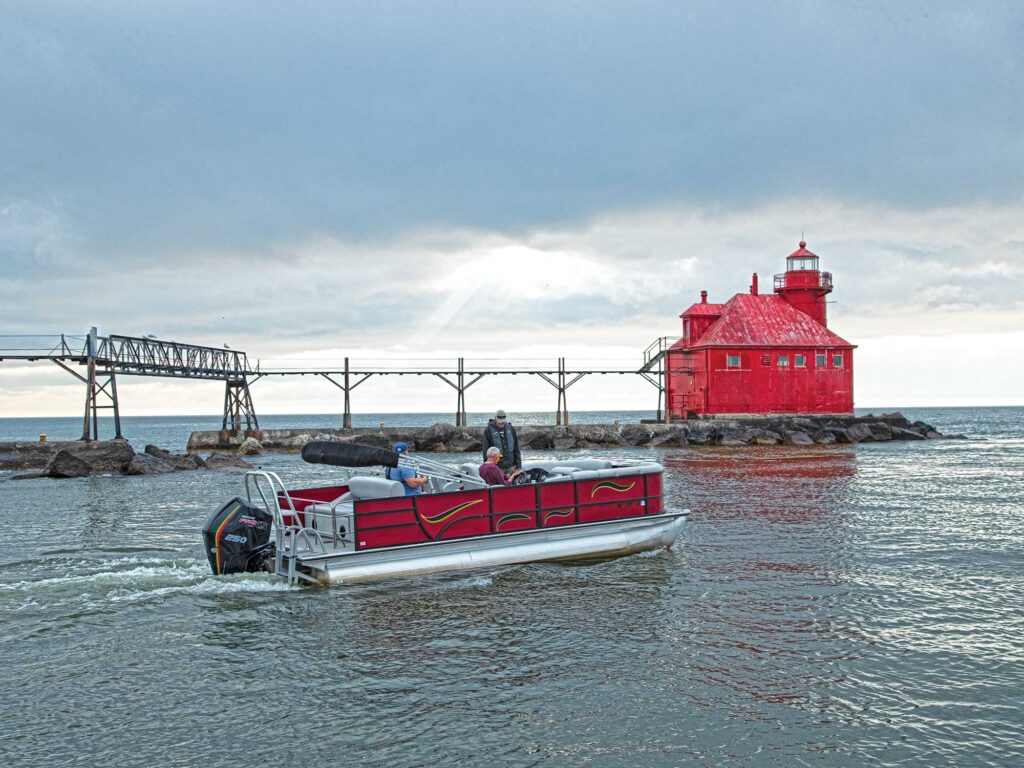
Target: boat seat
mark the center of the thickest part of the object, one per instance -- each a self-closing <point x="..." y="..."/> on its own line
<point x="375" y="488"/>
<point x="471" y="469"/>
<point x="575" y="464"/>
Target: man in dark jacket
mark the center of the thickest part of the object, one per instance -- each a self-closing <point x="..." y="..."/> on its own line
<point x="501" y="435"/>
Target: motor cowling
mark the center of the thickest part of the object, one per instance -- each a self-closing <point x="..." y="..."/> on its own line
<point x="237" y="538"/>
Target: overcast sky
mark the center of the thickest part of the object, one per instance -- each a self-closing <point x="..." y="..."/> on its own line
<point x="391" y="180"/>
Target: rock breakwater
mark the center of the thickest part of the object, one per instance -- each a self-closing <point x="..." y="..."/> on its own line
<point x="447" y="438"/>
<point x="76" y="458"/>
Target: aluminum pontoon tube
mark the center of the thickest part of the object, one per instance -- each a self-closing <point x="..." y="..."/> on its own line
<point x="584" y="542"/>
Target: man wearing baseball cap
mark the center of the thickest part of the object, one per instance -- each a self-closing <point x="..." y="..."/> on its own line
<point x="413" y="483"/>
<point x="501" y="435"/>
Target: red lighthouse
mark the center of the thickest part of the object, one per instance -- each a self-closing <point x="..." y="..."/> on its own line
<point x="763" y="354"/>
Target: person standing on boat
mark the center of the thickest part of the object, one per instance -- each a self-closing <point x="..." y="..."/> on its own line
<point x="501" y="435"/>
<point x="413" y="483"/>
<point x="491" y="473"/>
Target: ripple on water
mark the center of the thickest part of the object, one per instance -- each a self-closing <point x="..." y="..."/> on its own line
<point x="833" y="606"/>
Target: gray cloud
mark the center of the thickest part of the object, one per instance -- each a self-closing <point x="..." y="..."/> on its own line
<point x="225" y="126"/>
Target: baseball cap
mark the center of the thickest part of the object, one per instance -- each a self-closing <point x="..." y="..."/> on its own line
<point x="401" y="447"/>
<point x="500" y="414"/>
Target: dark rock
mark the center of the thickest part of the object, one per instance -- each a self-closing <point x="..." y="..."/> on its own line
<point x="534" y="438"/>
<point x="195" y="459"/>
<point x="842" y="435"/>
<point x="223" y="460"/>
<point x="933" y="435"/>
<point x="65" y="464"/>
<point x="179" y="461"/>
<point x="797" y="438"/>
<point x="880" y="431"/>
<point x="824" y="437"/>
<point x="637" y="434"/>
<point x="765" y="437"/>
<point x="957" y="437"/>
<point x="563" y="443"/>
<point x="436" y="437"/>
<point x="859" y="433"/>
<point x="677" y="436"/>
<point x="148" y="464"/>
<point x="465" y="443"/>
<point x="596" y="435"/>
<point x="108" y="456"/>
<point x="735" y="437"/>
<point x="923" y="426"/>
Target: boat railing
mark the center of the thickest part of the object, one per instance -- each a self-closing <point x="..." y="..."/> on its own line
<point x="291" y="541"/>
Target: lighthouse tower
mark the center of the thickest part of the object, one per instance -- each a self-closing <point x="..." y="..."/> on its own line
<point x="803" y="286"/>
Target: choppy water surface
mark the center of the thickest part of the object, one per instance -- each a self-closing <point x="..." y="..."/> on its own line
<point x="838" y="605"/>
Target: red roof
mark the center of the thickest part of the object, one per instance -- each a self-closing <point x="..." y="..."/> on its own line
<point x="802" y="252"/>
<point x="750" y="320"/>
<point x="703" y="308"/>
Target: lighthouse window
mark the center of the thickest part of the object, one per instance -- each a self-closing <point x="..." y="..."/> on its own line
<point x="805" y="262"/>
<point x="732" y="361"/>
<point x="799" y="361"/>
<point x="820" y="359"/>
<point x="766" y="360"/>
<point x="837" y="361"/>
<point x="783" y="361"/>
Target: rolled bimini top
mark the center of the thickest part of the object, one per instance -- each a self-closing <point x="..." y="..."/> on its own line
<point x="348" y="455"/>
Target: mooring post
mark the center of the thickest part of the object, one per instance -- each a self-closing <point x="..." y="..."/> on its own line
<point x="90" y="385"/>
<point x="562" y="387"/>
<point x="346" y="418"/>
<point x="460" y="406"/>
<point x="114" y="404"/>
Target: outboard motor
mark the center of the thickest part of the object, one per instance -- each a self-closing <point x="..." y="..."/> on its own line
<point x="237" y="538"/>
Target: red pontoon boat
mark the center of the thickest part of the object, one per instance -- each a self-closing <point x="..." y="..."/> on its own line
<point x="367" y="528"/>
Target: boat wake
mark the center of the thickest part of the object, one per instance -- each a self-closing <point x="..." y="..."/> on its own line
<point x="93" y="583"/>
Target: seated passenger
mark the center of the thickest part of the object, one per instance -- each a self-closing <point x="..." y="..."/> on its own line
<point x="413" y="483"/>
<point x="491" y="473"/>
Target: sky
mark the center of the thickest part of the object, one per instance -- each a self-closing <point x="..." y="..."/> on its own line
<point x="407" y="181"/>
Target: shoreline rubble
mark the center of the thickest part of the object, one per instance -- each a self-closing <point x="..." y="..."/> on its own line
<point x="224" y="449"/>
<point x="77" y="458"/>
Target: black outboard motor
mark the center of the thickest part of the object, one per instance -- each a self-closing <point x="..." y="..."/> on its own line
<point x="237" y="538"/>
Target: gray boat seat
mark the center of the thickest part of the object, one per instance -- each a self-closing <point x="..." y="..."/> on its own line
<point x="471" y="469"/>
<point x="375" y="488"/>
<point x="577" y="464"/>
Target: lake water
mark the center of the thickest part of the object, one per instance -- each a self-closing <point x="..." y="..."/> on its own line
<point x="830" y="605"/>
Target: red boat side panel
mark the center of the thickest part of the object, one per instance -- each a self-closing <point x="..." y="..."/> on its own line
<point x="654" y="493"/>
<point x="518" y="498"/>
<point x="303" y="497"/>
<point x="558" y="504"/>
<point x="612" y="489"/>
<point x="451" y="515"/>
<point x="387" y="522"/>
<point x="611" y="511"/>
<point x="470" y="525"/>
<point x="461" y="514"/>
<point x="375" y="538"/>
<point x="611" y="498"/>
